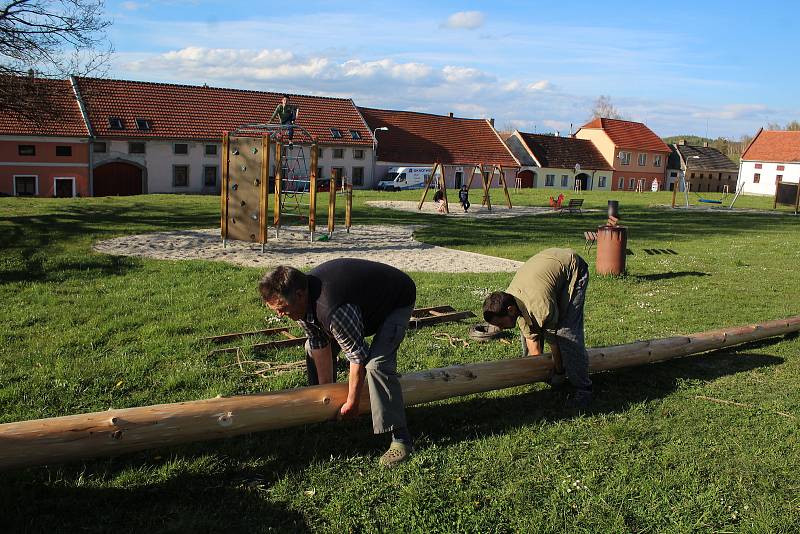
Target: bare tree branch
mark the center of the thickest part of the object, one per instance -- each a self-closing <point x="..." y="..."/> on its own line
<point x="604" y="109"/>
<point x="52" y="39"/>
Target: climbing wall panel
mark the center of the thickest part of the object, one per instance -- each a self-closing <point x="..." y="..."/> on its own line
<point x="245" y="191"/>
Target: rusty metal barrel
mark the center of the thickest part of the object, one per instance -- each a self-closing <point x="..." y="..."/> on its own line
<point x="612" y="244"/>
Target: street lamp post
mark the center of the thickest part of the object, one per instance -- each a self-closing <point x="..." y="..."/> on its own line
<point x="375" y="147"/>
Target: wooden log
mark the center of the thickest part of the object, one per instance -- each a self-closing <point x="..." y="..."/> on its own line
<point x="59" y="439"/>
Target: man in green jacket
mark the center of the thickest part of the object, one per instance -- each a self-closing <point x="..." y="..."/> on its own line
<point x="545" y="299"/>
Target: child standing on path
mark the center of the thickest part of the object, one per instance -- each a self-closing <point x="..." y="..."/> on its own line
<point x="463" y="197"/>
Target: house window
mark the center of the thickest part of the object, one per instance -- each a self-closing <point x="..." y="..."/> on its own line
<point x="115" y="123"/>
<point x="65" y="151"/>
<point x="564" y="180"/>
<point x="357" y="174"/>
<point x="180" y="148"/>
<point x="355" y="134"/>
<point x="144" y="124"/>
<point x="336" y="133"/>
<point x="632" y="183"/>
<point x="550" y="180"/>
<point x="758" y="165"/>
<point x="136" y="148"/>
<point x="621" y="183"/>
<point x="211" y="150"/>
<point x="319" y="173"/>
<point x="756" y="178"/>
<point x="26" y="186"/>
<point x="320" y="153"/>
<point x="778" y="178"/>
<point x="338" y="153"/>
<point x="358" y="153"/>
<point x="180" y="176"/>
<point x="642" y="160"/>
<point x="625" y="158"/>
<point x="27" y="150"/>
<point x="100" y="147"/>
<point x="657" y="160"/>
<point x="601" y="182"/>
<point x="780" y="167"/>
<point x="210" y="176"/>
<point x="459" y="179"/>
<point x="673" y="174"/>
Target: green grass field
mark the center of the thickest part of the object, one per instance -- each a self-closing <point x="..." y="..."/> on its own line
<point x="82" y="332"/>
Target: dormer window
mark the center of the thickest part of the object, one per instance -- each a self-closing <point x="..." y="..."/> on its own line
<point x="115" y="123"/>
<point x="355" y="134"/>
<point x="336" y="133"/>
<point x="144" y="124"/>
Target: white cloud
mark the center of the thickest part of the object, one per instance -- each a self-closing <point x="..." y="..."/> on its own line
<point x="432" y="86"/>
<point x="132" y="6"/>
<point x="541" y="85"/>
<point x="465" y="20"/>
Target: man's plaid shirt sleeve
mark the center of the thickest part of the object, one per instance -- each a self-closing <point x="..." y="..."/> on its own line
<point x="347" y="327"/>
<point x="317" y="338"/>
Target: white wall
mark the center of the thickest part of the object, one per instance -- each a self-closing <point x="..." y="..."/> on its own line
<point x="594" y="181"/>
<point x="159" y="159"/>
<point x="769" y="172"/>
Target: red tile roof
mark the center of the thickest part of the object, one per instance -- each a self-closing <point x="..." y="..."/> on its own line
<point x="63" y="119"/>
<point x="771" y="145"/>
<point x="424" y="138"/>
<point x="564" y="152"/>
<point x="203" y="113"/>
<point x="629" y="134"/>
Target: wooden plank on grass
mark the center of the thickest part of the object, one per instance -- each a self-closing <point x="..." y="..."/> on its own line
<point x="438" y="319"/>
<point x="228" y="337"/>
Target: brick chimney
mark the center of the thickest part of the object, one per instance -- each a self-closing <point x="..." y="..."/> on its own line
<point x="450" y="114"/>
<point x="491" y="121"/>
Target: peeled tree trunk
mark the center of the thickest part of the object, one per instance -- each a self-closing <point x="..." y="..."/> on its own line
<point x="113" y="432"/>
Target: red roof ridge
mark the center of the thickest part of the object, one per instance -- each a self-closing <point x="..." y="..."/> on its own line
<point x="232" y="89"/>
<point x="424" y="113"/>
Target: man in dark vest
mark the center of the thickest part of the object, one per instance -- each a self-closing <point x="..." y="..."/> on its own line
<point x="338" y="304"/>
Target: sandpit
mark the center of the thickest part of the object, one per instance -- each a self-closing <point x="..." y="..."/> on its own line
<point x="476" y="211"/>
<point x="394" y="245"/>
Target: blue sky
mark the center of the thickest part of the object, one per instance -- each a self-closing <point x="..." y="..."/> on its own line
<point x="682" y="68"/>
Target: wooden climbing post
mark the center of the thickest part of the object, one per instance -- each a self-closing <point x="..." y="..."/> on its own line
<point x="312" y="191"/>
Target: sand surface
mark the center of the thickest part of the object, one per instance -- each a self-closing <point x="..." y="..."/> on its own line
<point x="394" y="245"/>
<point x="476" y="211"/>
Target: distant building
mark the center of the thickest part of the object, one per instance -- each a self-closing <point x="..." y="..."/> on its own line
<point x="771" y="157"/>
<point x="550" y="161"/>
<point x="423" y="139"/>
<point x="46" y="155"/>
<point x="705" y="168"/>
<point x="637" y="155"/>
<point x="165" y="138"/>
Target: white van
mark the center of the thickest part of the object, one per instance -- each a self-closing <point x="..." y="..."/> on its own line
<point x="404" y="178"/>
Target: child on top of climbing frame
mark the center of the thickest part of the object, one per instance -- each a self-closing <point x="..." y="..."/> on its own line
<point x="287" y="113"/>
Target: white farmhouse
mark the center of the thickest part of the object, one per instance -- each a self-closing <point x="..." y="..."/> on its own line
<point x="771" y="157"/>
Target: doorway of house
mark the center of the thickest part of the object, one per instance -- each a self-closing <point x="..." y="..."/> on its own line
<point x="526" y="179"/>
<point x="582" y="181"/>
<point x="118" y="178"/>
<point x="64" y="187"/>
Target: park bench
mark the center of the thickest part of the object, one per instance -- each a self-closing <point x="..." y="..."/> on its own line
<point x="574" y="206"/>
<point x="591" y="239"/>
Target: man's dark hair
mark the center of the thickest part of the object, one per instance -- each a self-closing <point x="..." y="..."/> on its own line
<point x="496" y="305"/>
<point x="282" y="282"/>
